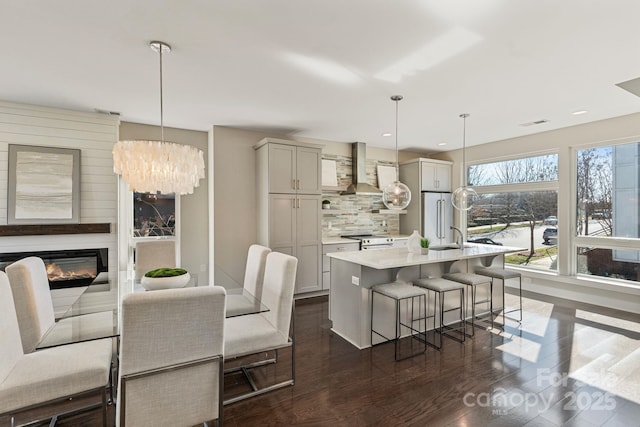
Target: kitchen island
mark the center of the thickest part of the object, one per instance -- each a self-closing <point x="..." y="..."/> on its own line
<point x="354" y="273"/>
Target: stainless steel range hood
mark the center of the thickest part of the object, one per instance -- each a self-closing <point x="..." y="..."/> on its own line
<point x="359" y="165"/>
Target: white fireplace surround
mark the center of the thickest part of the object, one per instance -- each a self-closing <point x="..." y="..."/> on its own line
<point x="94" y="135"/>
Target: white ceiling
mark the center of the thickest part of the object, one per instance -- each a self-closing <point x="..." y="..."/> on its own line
<point x="327" y="68"/>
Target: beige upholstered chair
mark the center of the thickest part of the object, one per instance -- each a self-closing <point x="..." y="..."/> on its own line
<point x="254" y="270"/>
<point x="264" y="332"/>
<point x="32" y="298"/>
<point x="171" y="359"/>
<point x="154" y="254"/>
<point x="30" y="384"/>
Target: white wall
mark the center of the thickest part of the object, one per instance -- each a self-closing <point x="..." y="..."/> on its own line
<point x="94" y="134"/>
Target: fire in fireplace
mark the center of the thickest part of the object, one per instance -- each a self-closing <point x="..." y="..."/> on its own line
<point x="66" y="268"/>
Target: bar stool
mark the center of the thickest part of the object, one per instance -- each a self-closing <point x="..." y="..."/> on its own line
<point x="401" y="291"/>
<point x="503" y="274"/>
<point x="474" y="280"/>
<point x="440" y="287"/>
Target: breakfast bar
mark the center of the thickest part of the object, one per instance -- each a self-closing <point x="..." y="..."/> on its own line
<point x="354" y="273"/>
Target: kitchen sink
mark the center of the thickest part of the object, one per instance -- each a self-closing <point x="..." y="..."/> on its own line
<point x="447" y="247"/>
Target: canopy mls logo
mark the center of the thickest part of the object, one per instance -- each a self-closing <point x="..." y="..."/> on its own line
<point x="502" y="400"/>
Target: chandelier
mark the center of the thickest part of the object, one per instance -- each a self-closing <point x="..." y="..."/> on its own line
<point x="159" y="166"/>
<point x="396" y="195"/>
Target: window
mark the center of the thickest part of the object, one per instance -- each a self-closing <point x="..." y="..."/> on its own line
<point x="518" y="206"/>
<point x="154" y="215"/>
<point x="516" y="171"/>
<point x="608" y="211"/>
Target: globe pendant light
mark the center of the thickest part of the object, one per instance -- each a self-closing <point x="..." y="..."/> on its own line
<point x="159" y="166"/>
<point x="396" y="195"/>
<point x="464" y="197"/>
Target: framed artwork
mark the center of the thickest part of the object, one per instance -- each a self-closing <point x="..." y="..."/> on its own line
<point x="43" y="185"/>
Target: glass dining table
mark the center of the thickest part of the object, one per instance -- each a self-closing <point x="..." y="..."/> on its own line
<point x="95" y="314"/>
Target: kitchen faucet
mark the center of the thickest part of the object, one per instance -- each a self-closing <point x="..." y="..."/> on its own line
<point x="460" y="242"/>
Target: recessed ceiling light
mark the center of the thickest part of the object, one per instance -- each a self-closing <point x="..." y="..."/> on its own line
<point x="386" y="134"/>
<point x="577" y="113"/>
<point x="440" y="144"/>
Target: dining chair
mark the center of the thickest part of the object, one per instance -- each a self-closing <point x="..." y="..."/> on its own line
<point x="268" y="331"/>
<point x="154" y="254"/>
<point x="171" y="357"/>
<point x="254" y="269"/>
<point x="37" y="384"/>
<point x="34" y="306"/>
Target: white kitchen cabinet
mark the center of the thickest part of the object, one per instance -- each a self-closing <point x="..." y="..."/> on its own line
<point x="422" y="176"/>
<point x="293" y="169"/>
<point x="288" y="189"/>
<point x="435" y="176"/>
<point x="326" y="262"/>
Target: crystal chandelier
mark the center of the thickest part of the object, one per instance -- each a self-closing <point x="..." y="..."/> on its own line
<point x="396" y="195"/>
<point x="159" y="166"/>
<point x="464" y="196"/>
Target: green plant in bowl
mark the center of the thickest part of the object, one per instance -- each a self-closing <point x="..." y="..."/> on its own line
<point x="165" y="278"/>
<point x="165" y="272"/>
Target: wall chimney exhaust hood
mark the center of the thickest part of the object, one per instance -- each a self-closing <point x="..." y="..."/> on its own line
<point x="359" y="165"/>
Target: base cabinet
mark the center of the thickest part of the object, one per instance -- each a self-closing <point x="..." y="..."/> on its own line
<point x="326" y="262"/>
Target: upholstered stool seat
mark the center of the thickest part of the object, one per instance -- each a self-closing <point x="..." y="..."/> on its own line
<point x="504" y="274"/>
<point x="440" y="287"/>
<point x="401" y="291"/>
<point x="475" y="280"/>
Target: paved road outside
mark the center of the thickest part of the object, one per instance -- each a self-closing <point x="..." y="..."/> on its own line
<point x="520" y="236"/>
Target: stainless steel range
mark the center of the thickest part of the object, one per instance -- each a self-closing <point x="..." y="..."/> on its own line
<point x="369" y="241"/>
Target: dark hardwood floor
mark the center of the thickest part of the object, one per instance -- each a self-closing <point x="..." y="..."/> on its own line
<point x="568" y="364"/>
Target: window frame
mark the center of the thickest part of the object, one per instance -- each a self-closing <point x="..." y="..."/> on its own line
<point x="523" y="187"/>
<point x="576" y="241"/>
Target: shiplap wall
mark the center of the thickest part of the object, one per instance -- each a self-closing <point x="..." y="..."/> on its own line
<point x="94" y="134"/>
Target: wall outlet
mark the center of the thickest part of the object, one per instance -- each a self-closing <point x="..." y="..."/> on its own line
<point x="384" y="223"/>
<point x="355" y="280"/>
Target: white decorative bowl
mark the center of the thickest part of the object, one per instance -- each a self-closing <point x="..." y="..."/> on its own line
<point x="155" y="283"/>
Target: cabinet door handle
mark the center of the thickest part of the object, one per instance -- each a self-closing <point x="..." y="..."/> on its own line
<point x="298" y="184"/>
<point x="293" y="184"/>
<point x="298" y="203"/>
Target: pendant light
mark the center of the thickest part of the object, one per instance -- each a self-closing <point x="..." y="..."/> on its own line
<point x="159" y="166"/>
<point x="464" y="196"/>
<point x="396" y="195"/>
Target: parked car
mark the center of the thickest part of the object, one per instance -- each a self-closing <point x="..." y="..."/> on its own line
<point x="484" y="241"/>
<point x="550" y="234"/>
<point x="551" y="220"/>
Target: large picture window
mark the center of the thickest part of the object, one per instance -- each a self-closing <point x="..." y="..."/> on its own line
<point x="517" y="206"/>
<point x="608" y="211"/>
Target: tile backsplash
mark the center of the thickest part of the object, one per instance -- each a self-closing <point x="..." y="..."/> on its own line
<point x="352" y="214"/>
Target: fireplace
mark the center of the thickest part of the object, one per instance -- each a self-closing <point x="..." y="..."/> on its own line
<point x="67" y="268"/>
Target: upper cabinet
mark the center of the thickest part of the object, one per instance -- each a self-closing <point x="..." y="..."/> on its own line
<point x="435" y="176"/>
<point x="293" y="168"/>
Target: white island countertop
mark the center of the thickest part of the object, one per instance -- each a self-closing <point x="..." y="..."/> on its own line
<point x="400" y="257"/>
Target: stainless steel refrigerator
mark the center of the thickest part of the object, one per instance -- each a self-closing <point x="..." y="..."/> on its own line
<point x="437" y="217"/>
